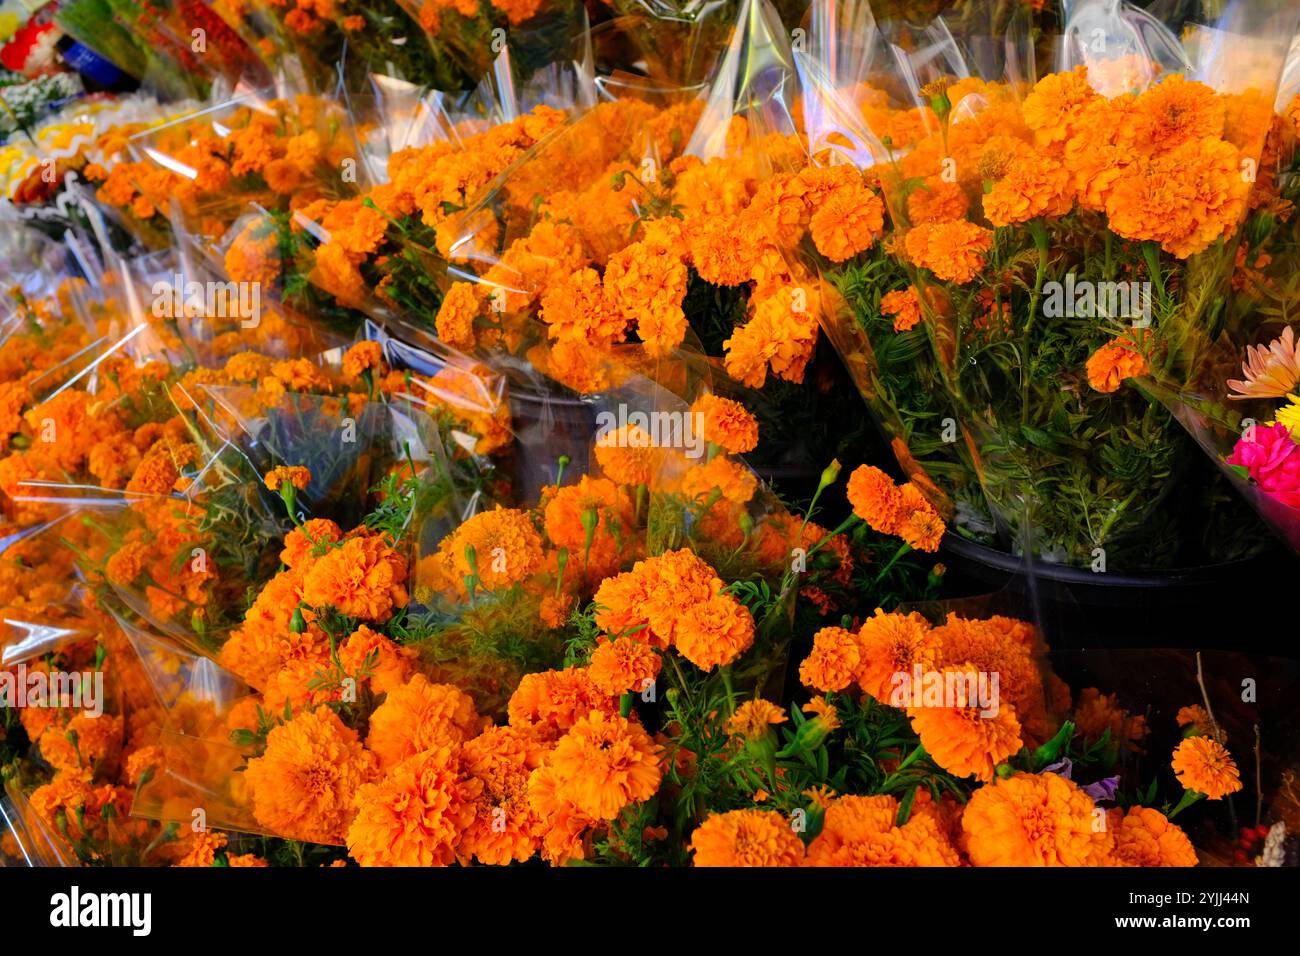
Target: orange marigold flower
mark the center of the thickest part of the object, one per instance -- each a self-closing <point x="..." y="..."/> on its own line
<point x="623" y="665"/>
<point x="506" y="828"/>
<point x="419" y="716"/>
<point x="1096" y="713"/>
<point x="1055" y="106"/>
<point x="304" y="784"/>
<point x="300" y="544"/>
<point x="919" y="524"/>
<point x="112" y="461"/>
<point x="1176" y="111"/>
<point x="563" y="825"/>
<point x="144" y="761"/>
<point x="723" y="251"/>
<point x="953" y="251"/>
<point x="127" y="563"/>
<point x="824" y="713"/>
<point x="628" y="456"/>
<point x="455" y="321"/>
<point x="746" y="838"/>
<point x="364" y="579"/>
<point x="549" y="703"/>
<point x="254" y="650"/>
<point x="875" y="498"/>
<point x="82" y="744"/>
<point x="834" y="661"/>
<point x="282" y="176"/>
<point x="732" y="480"/>
<point x="155" y="475"/>
<point x="301" y="375"/>
<point x="1196" y="721"/>
<point x="254" y="256"/>
<point x="254" y="146"/>
<point x="727" y="423"/>
<point x="714" y="632"/>
<point x="1186" y="199"/>
<point x="1007" y="648"/>
<point x="505" y="546"/>
<point x="649" y="601"/>
<point x="361" y="358"/>
<point x="14" y="397"/>
<point x="647" y="282"/>
<point x="893" y="643"/>
<point x="781" y="335"/>
<point x="905" y="306"/>
<point x="604" y="763"/>
<point x="304" y="679"/>
<point x="863" y="814"/>
<point x="597" y="503"/>
<point x="1030" y="188"/>
<point x="516" y="11"/>
<point x="960" y="738"/>
<point x="575" y="309"/>
<point x="371" y="656"/>
<point x="753" y="718"/>
<point x="358" y="228"/>
<point x="296" y="475"/>
<point x="414" y="816"/>
<point x="1114" y="362"/>
<point x="1034" y="820"/>
<point x="1202" y="764"/>
<point x="1145" y="837"/>
<point x="861" y="831"/>
<point x="200" y="848"/>
<point x="554" y="609"/>
<point x="847" y="223"/>
<point x="339" y="276"/>
<point x="936" y="200"/>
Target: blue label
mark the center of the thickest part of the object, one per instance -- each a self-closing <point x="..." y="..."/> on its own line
<point x="89" y="63"/>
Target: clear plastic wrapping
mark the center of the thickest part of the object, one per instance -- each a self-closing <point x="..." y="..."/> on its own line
<point x="1008" y="399"/>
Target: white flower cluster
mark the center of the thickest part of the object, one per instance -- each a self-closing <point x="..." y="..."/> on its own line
<point x="24" y="102"/>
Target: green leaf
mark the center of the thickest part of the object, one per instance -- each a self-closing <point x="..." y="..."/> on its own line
<point x="905" y="806"/>
<point x="1050" y="752"/>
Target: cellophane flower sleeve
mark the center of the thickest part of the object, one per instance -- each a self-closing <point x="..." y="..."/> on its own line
<point x="1231" y="377"/>
<point x="269" y="146"/>
<point x="78" y="713"/>
<point x="1009" y="193"/>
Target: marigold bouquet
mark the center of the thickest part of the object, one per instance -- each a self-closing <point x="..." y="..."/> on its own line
<point x="212" y="164"/>
<point x="1233" y="381"/>
<point x="1047" y="243"/>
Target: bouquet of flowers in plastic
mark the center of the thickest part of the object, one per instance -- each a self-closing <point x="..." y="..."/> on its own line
<point x="1046" y="244"/>
<point x="657" y="580"/>
<point x="1232" y="379"/>
<point x="209" y="166"/>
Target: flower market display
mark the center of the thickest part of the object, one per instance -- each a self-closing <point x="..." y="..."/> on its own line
<point x="537" y="433"/>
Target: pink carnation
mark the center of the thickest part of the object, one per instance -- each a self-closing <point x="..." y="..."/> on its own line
<point x="1272" y="458"/>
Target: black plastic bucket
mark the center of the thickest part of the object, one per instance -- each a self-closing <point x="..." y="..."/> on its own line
<point x="1211" y="606"/>
<point x="547" y="426"/>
